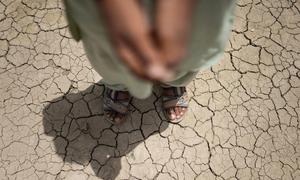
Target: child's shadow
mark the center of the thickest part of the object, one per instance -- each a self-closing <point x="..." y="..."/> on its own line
<point x="81" y="134"/>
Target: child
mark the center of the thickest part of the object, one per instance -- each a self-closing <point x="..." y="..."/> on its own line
<point x="134" y="44"/>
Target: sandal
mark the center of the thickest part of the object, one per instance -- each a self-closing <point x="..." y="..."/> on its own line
<point x="116" y="105"/>
<point x="174" y="97"/>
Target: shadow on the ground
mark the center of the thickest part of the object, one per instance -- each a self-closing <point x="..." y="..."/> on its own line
<point x="81" y="134"/>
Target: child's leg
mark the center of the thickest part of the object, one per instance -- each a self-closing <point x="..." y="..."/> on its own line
<point x="175" y="98"/>
<point x="115" y="103"/>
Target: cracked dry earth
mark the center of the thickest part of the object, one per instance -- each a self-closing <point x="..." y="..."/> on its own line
<point x="244" y="113"/>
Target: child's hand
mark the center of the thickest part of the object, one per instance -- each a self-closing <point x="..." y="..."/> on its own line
<point x="173" y="19"/>
<point x="130" y="34"/>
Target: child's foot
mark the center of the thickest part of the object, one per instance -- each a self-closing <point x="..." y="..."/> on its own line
<point x="175" y="103"/>
<point x="115" y="105"/>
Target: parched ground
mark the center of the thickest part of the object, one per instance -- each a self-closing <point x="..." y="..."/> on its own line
<point x="244" y="113"/>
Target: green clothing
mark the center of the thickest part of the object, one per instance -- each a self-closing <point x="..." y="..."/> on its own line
<point x="211" y="26"/>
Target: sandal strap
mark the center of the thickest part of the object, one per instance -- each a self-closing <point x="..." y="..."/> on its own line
<point x="176" y="91"/>
<point x="111" y="103"/>
<point x="181" y="101"/>
<point x="178" y="99"/>
<point x="114" y="95"/>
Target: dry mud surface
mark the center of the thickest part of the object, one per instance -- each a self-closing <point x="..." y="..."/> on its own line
<point x="244" y="113"/>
